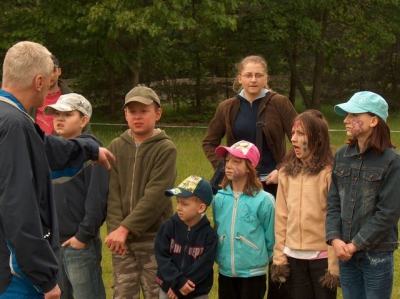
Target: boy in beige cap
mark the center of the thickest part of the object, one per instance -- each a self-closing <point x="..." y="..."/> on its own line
<point x="137" y="205"/>
<point x="81" y="206"/>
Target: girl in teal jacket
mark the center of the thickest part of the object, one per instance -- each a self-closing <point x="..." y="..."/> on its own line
<point x="244" y="218"/>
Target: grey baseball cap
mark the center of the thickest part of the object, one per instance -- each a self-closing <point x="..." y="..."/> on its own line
<point x="70" y="102"/>
<point x="142" y="94"/>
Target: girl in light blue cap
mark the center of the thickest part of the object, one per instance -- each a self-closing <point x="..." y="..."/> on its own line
<point x="363" y="200"/>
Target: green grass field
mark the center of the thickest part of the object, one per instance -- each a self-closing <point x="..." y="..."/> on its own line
<point x="191" y="160"/>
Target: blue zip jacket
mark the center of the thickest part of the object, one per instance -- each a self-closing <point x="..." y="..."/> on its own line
<point x="245" y="229"/>
<point x="29" y="241"/>
<point x="81" y="202"/>
<point x="363" y="199"/>
<point x="184" y="253"/>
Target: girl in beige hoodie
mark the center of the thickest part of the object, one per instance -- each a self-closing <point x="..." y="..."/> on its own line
<point x="301" y="254"/>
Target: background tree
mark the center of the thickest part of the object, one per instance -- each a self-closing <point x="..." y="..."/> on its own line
<point x="318" y="51"/>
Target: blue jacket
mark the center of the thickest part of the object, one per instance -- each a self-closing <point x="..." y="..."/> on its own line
<point x="363" y="200"/>
<point x="245" y="229"/>
<point x="82" y="201"/>
<point x="184" y="253"/>
<point x="28" y="221"/>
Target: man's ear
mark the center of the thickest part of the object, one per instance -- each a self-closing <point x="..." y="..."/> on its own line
<point x="38" y="82"/>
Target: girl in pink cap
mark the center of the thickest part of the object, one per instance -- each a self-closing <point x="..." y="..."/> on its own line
<point x="244" y="218"/>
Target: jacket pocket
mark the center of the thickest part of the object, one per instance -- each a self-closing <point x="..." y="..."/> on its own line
<point x="251" y="244"/>
<point x="371" y="182"/>
<point x="372" y="178"/>
<point x="343" y="176"/>
<point x="342" y="171"/>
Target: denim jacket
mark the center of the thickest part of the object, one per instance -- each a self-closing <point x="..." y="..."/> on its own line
<point x="364" y="199"/>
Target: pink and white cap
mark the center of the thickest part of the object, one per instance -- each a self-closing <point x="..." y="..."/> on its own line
<point x="241" y="149"/>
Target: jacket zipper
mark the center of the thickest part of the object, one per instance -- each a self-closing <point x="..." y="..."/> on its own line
<point x="300" y="211"/>
<point x="232" y="236"/>
<point x="184" y="250"/>
<point x="241" y="238"/>
<point x="133" y="179"/>
<point x="221" y="238"/>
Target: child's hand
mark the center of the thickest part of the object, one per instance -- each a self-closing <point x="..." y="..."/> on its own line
<point x="74" y="243"/>
<point x="342" y="251"/>
<point x="115" y="241"/>
<point x="352" y="249"/>
<point x="171" y="294"/>
<point x="187" y="288"/>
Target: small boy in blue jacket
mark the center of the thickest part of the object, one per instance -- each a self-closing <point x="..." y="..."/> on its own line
<point x="186" y="244"/>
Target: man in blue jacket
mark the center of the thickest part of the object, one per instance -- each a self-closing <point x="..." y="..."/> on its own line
<point x="29" y="242"/>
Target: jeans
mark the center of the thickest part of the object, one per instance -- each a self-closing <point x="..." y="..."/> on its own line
<point x="80" y="271"/>
<point x="367" y="275"/>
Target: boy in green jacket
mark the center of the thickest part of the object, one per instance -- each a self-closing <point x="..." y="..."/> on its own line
<point x="145" y="168"/>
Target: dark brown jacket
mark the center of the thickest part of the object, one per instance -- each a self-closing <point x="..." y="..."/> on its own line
<point x="278" y="118"/>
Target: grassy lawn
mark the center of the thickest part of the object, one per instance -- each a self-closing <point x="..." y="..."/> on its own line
<point x="191" y="160"/>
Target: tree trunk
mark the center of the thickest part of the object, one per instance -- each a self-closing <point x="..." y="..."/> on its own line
<point x="293" y="86"/>
<point x="198" y="81"/>
<point x="317" y="81"/>
<point x="135" y="76"/>
<point x="319" y="66"/>
<point x="295" y="75"/>
<point x="111" y="81"/>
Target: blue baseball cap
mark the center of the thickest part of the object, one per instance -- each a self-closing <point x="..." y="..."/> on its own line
<point x="362" y="102"/>
<point x="193" y="185"/>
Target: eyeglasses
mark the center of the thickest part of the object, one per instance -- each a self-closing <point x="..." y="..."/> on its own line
<point x="250" y="76"/>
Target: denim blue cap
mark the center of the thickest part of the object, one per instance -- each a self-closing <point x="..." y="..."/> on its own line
<point x="193" y="185"/>
<point x="362" y="102"/>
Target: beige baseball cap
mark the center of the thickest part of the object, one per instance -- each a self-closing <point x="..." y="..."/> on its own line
<point x="142" y="94"/>
<point x="70" y="102"/>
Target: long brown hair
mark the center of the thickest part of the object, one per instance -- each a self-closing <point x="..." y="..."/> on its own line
<point x="379" y="139"/>
<point x="239" y="67"/>
<point x="253" y="184"/>
<point x="316" y="129"/>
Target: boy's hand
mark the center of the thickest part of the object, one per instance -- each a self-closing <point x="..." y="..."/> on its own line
<point x="115" y="241"/>
<point x="74" y="243"/>
<point x="187" y="288"/>
<point x="105" y="156"/>
<point x="171" y="294"/>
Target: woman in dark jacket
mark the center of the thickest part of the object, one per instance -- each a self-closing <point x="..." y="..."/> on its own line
<point x="255" y="107"/>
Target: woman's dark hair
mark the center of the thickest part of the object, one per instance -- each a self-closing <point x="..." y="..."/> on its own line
<point x="316" y="128"/>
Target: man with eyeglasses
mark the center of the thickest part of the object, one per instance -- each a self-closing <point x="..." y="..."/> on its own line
<point x="57" y="88"/>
